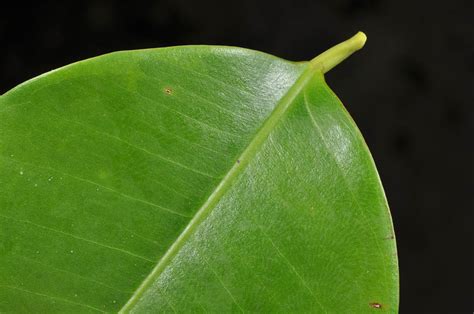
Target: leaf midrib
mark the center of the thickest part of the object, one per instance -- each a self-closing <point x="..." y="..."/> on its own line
<point x="223" y="186"/>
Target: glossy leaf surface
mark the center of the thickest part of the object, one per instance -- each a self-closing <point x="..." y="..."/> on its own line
<point x="189" y="179"/>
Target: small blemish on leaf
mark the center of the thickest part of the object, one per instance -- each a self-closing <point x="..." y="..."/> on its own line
<point x="168" y="90"/>
<point x="375" y="305"/>
<point x="238" y="161"/>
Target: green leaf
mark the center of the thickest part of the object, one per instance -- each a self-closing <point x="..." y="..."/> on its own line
<point x="190" y="179"/>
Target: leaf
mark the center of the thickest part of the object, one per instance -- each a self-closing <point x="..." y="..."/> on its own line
<point x="190" y="179"/>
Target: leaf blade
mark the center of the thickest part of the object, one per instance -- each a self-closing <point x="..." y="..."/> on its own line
<point x="195" y="126"/>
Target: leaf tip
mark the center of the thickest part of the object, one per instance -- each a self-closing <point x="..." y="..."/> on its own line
<point x="335" y="55"/>
<point x="359" y="40"/>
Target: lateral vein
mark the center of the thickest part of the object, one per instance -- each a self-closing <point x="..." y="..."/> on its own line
<point x="77" y="237"/>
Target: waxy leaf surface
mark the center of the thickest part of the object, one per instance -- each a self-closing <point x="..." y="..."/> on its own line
<point x="189" y="179"/>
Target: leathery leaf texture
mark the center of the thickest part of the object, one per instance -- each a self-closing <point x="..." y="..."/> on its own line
<point x="190" y="179"/>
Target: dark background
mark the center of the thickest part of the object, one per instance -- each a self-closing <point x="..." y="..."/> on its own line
<point x="409" y="90"/>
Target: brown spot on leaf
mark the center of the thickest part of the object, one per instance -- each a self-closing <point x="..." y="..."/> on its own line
<point x="238" y="161"/>
<point x="375" y="305"/>
<point x="168" y="90"/>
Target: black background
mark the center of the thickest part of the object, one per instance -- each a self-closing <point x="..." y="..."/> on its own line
<point x="409" y="90"/>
